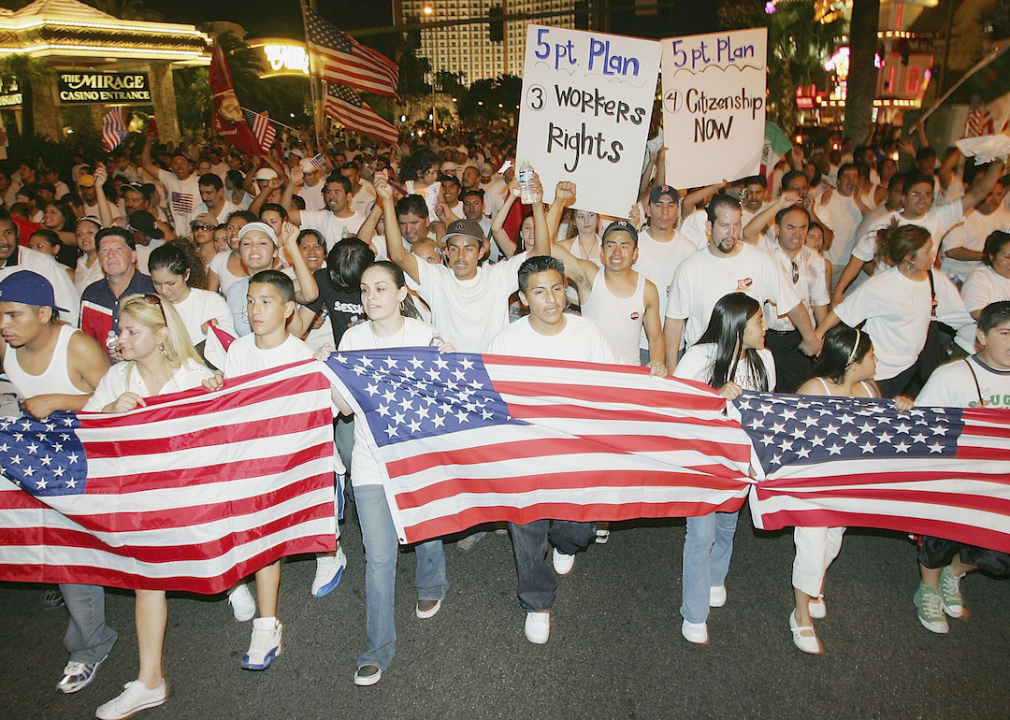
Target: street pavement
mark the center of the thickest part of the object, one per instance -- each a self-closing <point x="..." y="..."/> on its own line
<point x="615" y="649"/>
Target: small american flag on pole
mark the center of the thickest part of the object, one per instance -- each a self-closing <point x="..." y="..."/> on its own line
<point x="832" y="462"/>
<point x="469" y="439"/>
<point x="979" y="121"/>
<point x="349" y="109"/>
<point x="262" y="129"/>
<point x="193" y="492"/>
<point x="114" y="128"/>
<point x="339" y="58"/>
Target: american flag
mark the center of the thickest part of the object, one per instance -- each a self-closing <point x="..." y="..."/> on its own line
<point x="349" y="109"/>
<point x="979" y="121"/>
<point x="262" y="129"/>
<point x="317" y="161"/>
<point x="114" y="129"/>
<point x="182" y="203"/>
<point x="830" y="462"/>
<point x="339" y="58"/>
<point x="468" y="439"/>
<point x="192" y="492"/>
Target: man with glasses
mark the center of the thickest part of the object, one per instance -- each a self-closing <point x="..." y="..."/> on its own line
<point x="100" y="301"/>
<point x="806" y="271"/>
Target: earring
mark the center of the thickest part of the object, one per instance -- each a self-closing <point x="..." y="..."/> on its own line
<point x="161" y="349"/>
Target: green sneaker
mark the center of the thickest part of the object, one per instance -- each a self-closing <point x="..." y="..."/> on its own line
<point x="929" y="608"/>
<point x="950" y="593"/>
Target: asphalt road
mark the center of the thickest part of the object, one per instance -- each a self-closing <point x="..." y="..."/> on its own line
<point x="615" y="650"/>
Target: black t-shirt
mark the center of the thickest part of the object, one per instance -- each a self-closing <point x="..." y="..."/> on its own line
<point x="344" y="307"/>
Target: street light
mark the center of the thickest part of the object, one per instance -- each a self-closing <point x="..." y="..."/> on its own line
<point x="428" y="10"/>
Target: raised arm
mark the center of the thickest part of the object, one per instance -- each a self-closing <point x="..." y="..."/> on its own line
<point x="145" y="159"/>
<point x="262" y="195"/>
<point x="498" y="224"/>
<point x="564" y="198"/>
<point x="692" y="200"/>
<point x="983" y="186"/>
<point x="367" y="230"/>
<point x="394" y="241"/>
<point x="306" y="290"/>
<point x="763" y="219"/>
<point x="297" y="179"/>
<point x="104" y="211"/>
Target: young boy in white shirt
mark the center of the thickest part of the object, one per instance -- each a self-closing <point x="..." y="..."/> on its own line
<point x="269" y="304"/>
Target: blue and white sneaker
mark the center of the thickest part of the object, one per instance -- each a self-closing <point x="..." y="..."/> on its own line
<point x="77" y="676"/>
<point x="329" y="571"/>
<point x="266" y="644"/>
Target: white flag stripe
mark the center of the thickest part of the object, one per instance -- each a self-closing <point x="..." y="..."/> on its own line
<point x="196" y="458"/>
<point x="180" y="498"/>
<point x="952" y="486"/>
<point x="952" y="467"/>
<point x="923" y="511"/>
<point x="55" y="555"/>
<point x="593" y="378"/>
<point x="650" y="495"/>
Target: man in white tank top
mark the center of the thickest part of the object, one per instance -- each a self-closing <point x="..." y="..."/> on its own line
<point x="618" y="299"/>
<point x="55" y="367"/>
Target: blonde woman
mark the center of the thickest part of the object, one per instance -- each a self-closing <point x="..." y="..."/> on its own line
<point x="157" y="359"/>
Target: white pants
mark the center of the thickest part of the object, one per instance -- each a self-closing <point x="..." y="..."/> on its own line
<point x="816" y="547"/>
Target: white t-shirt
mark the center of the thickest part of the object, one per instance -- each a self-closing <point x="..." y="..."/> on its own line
<point x="954" y="385"/>
<point x="365" y="198"/>
<point x="144" y="254"/>
<point x="244" y="357"/>
<point x="842" y="216"/>
<point x="219" y="264"/>
<point x="313" y="196"/>
<point x="360" y="337"/>
<point x="693" y="228"/>
<point x="125" y="377"/>
<point x="65" y="293"/>
<point x="182" y="196"/>
<point x="199" y="307"/>
<point x="331" y="226"/>
<point x="702" y="279"/>
<point x="581" y="340"/>
<point x="938" y="221"/>
<point x="658" y="261"/>
<point x="469" y="312"/>
<point x="699" y="360"/>
<point x="984" y="286"/>
<point x="897" y="314"/>
<point x="971" y="234"/>
<point x="222" y="217"/>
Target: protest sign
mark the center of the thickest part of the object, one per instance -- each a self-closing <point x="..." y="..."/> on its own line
<point x="714" y="106"/>
<point x="586" y="107"/>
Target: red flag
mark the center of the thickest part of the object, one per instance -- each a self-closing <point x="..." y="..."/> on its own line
<point x="227" y="118"/>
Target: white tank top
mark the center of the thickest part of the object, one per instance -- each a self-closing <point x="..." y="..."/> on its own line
<point x="54" y="381"/>
<point x="619" y="318"/>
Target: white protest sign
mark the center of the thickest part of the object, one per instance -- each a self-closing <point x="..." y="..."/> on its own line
<point x="586" y="106"/>
<point x="714" y="106"/>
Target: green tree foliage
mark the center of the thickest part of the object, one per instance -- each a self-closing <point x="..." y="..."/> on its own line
<point x="492" y="99"/>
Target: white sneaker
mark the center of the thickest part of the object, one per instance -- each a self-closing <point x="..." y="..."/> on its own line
<point x="563" y="563"/>
<point x="133" y="699"/>
<point x="242" y="603"/>
<point x="602" y="536"/>
<point x="329" y="571"/>
<point x="818" y="610"/>
<point x="265" y="645"/>
<point x="538" y="627"/>
<point x="717" y="596"/>
<point x="695" y="632"/>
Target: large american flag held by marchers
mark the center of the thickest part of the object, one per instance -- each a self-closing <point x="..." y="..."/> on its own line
<point x="468" y="439"/>
<point x="834" y="462"/>
<point x="193" y="492"/>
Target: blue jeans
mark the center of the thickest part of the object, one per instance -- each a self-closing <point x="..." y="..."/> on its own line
<point x="88" y="639"/>
<point x="538" y="583"/>
<point x="381" y="549"/>
<point x="707" y="551"/>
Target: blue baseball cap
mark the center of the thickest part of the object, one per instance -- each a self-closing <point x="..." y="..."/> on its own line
<point x="29" y="288"/>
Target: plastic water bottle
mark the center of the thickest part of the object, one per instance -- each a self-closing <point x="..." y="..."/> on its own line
<point x="436" y="338"/>
<point x="526" y="193"/>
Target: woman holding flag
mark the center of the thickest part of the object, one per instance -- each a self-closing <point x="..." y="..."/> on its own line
<point x="158" y="359"/>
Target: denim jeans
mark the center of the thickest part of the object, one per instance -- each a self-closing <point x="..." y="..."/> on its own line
<point x="381" y="549"/>
<point x="538" y="583"/>
<point x="707" y="551"/>
<point x="88" y="639"/>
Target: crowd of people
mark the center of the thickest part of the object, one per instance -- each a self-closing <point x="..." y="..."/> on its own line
<point x="871" y="270"/>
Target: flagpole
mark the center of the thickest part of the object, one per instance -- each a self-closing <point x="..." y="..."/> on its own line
<point x="981" y="64"/>
<point x="270" y="119"/>
<point x="313" y="80"/>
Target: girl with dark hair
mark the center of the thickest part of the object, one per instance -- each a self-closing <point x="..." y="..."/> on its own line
<point x="392" y="323"/>
<point x="845" y="368"/>
<point x="177" y="276"/>
<point x="898" y="307"/>
<point x="991" y="282"/>
<point x="731" y="357"/>
<point x="58" y="217"/>
<point x="420" y="174"/>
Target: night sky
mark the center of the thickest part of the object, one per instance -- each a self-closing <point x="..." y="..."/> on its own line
<point x="282" y="18"/>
